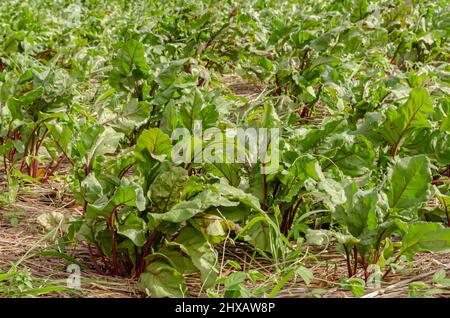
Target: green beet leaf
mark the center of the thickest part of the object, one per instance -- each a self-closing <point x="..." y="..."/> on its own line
<point x="409" y="183"/>
<point x="202" y="253"/>
<point x="167" y="188"/>
<point x="413" y="114"/>
<point x="162" y="280"/>
<point x="425" y="237"/>
<point x="135" y="229"/>
<point x="129" y="66"/>
<point x="156" y="143"/>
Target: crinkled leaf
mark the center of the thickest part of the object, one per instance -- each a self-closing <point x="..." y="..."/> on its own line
<point x="157" y="143"/>
<point x="98" y="141"/>
<point x="162" y="280"/>
<point x="128" y="193"/>
<point x="202" y="254"/>
<point x="409" y="183"/>
<point x="413" y="114"/>
<point x="187" y="209"/>
<point x="167" y="188"/>
<point x="354" y="157"/>
<point x="229" y="171"/>
<point x="91" y="187"/>
<point x="425" y="237"/>
<point x="360" y="216"/>
<point x="135" y="229"/>
<point x="129" y="66"/>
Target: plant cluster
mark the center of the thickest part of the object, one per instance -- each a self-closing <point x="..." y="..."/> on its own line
<point x="358" y="89"/>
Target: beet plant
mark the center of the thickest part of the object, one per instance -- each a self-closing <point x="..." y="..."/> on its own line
<point x="128" y="102"/>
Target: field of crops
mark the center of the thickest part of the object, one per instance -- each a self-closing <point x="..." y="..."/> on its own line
<point x="197" y="148"/>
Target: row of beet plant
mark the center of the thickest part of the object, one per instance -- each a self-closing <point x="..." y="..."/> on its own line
<point x="358" y="91"/>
